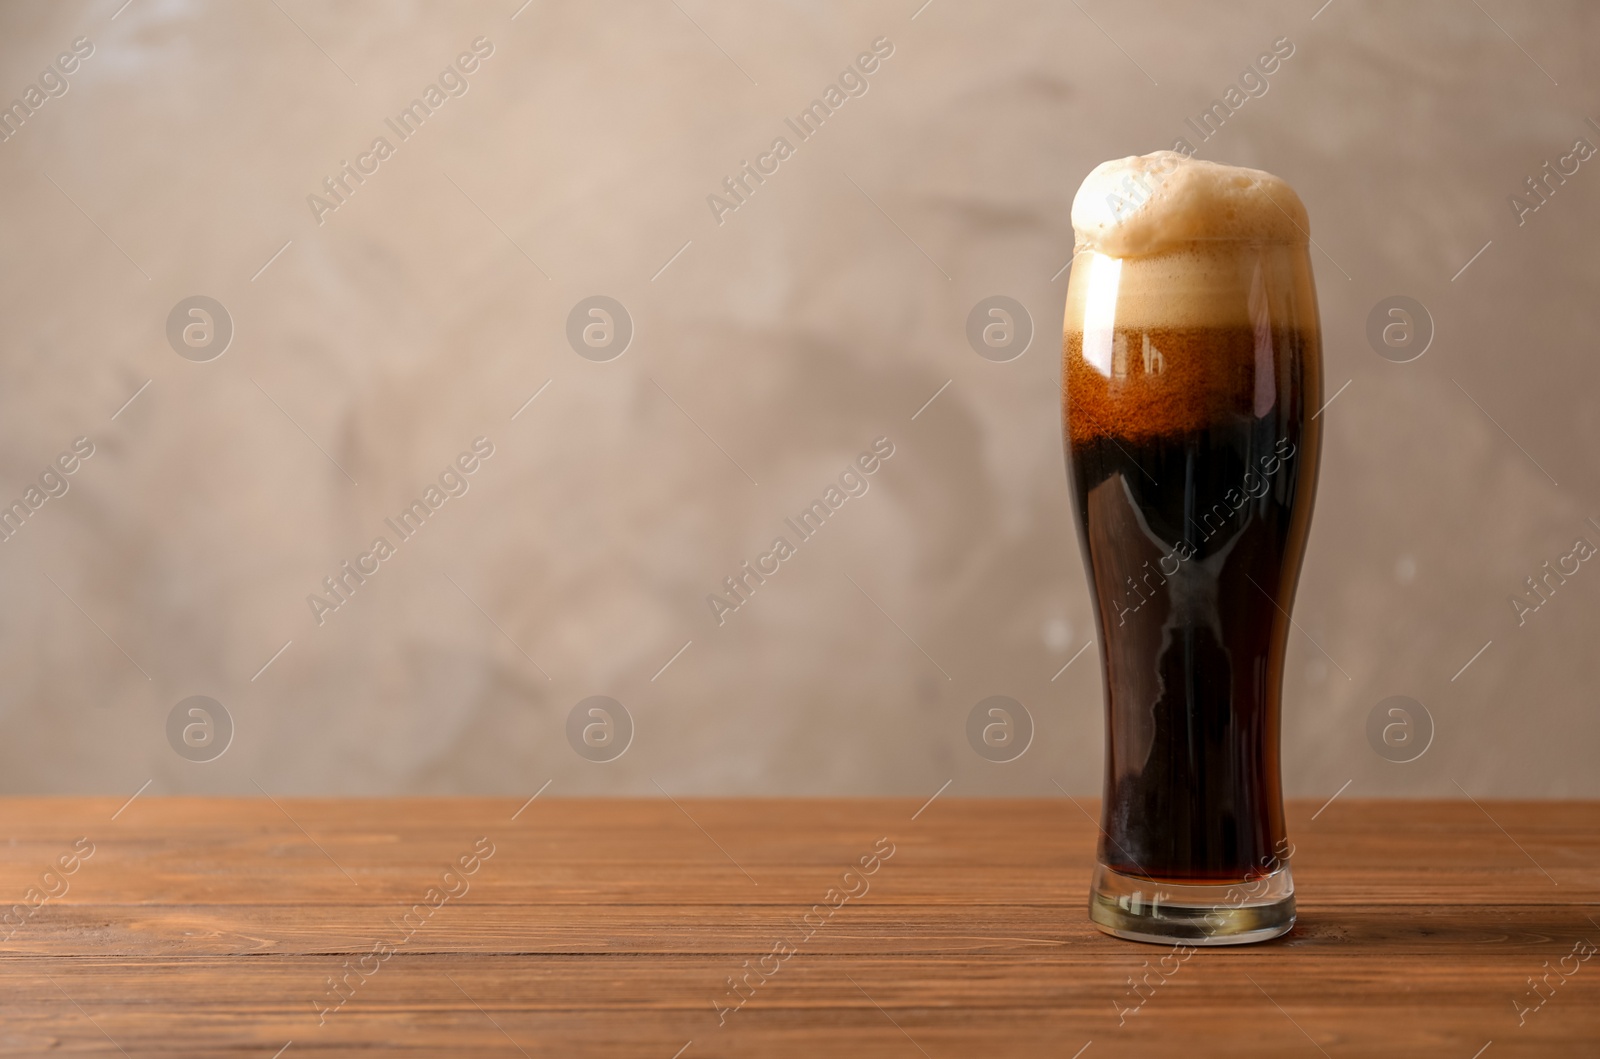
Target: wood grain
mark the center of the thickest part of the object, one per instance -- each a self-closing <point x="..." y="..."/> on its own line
<point x="212" y="927"/>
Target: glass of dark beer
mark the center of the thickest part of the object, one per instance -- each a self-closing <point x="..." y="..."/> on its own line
<point x="1192" y="367"/>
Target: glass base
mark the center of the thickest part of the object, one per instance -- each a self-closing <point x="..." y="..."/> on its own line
<point x="1193" y="914"/>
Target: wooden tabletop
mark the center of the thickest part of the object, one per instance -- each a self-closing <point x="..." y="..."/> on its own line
<point x="705" y="927"/>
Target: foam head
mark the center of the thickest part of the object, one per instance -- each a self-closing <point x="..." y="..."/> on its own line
<point x="1164" y="240"/>
<point x="1151" y="203"/>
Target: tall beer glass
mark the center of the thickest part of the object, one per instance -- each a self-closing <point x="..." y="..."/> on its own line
<point x="1192" y="367"/>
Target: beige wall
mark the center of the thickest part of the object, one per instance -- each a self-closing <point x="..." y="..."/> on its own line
<point x="819" y="316"/>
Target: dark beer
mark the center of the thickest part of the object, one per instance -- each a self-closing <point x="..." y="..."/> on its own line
<point x="1192" y="533"/>
<point x="1192" y="372"/>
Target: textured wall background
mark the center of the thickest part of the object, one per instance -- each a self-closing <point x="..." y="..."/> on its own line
<point x="823" y="313"/>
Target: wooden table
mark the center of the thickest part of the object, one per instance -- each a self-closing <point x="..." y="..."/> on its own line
<point x="219" y="927"/>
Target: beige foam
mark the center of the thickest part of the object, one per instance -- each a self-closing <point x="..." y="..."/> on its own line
<point x="1200" y="285"/>
<point x="1169" y="241"/>
<point x="1147" y="204"/>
